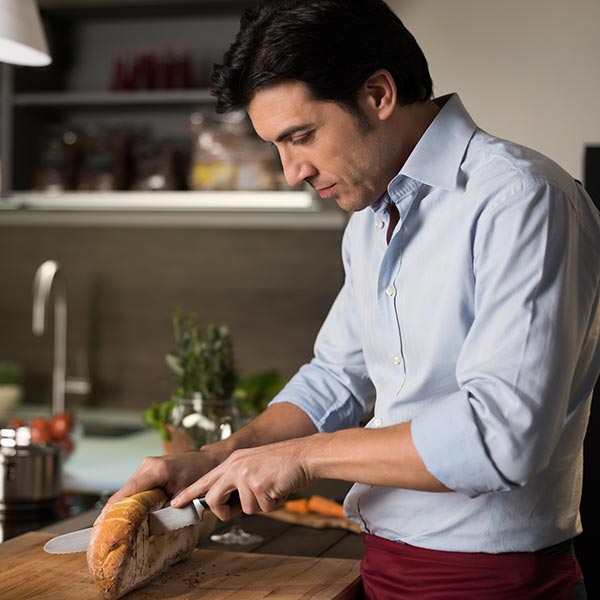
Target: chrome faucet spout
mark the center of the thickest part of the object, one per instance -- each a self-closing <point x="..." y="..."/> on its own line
<point x="48" y="277"/>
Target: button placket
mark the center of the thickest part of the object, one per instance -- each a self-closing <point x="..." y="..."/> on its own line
<point x="387" y="283"/>
<point x="388" y="307"/>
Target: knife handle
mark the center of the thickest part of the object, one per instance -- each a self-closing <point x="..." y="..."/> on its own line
<point x="234" y="498"/>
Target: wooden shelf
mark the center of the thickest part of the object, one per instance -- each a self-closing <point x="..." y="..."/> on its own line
<point x="218" y="200"/>
<point x="222" y="209"/>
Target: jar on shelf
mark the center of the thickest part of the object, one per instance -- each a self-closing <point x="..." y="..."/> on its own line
<point x="196" y="422"/>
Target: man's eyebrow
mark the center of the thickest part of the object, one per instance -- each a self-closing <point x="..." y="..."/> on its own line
<point x="291" y="131"/>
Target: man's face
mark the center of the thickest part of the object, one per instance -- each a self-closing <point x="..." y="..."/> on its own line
<point x="321" y="143"/>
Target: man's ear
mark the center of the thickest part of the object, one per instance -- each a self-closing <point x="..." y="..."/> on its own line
<point x="379" y="94"/>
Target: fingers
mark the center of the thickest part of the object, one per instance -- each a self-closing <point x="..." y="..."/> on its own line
<point x="197" y="489"/>
<point x="230" y="489"/>
<point x="219" y="491"/>
<point x="172" y="473"/>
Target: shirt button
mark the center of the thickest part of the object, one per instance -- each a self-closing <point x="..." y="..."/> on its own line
<point x="378" y="422"/>
<point x="389" y="290"/>
<point x="397" y="360"/>
<point x="379" y="224"/>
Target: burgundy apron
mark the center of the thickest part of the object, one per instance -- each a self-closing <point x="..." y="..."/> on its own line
<point x="394" y="571"/>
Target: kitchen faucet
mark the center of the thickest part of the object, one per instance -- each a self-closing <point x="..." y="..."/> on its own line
<point x="48" y="276"/>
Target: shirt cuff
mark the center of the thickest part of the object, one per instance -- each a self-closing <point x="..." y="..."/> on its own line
<point x="449" y="443"/>
<point x="328" y="403"/>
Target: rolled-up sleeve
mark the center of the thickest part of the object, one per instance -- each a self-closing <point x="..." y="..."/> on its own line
<point x="532" y="307"/>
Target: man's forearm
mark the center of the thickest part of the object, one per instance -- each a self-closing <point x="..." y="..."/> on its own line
<point x="384" y="457"/>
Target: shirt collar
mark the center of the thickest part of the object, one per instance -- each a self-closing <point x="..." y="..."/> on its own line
<point x="437" y="157"/>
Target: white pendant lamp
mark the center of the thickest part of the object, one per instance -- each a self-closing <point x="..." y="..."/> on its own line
<point x="22" y="39"/>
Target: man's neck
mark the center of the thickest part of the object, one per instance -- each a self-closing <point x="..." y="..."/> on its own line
<point x="409" y="124"/>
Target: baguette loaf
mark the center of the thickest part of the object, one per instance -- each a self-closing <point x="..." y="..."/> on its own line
<point x="122" y="555"/>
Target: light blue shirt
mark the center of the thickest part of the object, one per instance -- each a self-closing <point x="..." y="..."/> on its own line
<point x="479" y="323"/>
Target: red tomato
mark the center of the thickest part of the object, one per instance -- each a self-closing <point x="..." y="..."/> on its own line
<point x="68" y="444"/>
<point x="15" y="422"/>
<point x="40" y="430"/>
<point x="60" y="426"/>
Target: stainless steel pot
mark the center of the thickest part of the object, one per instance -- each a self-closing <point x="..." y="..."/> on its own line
<point x="29" y="472"/>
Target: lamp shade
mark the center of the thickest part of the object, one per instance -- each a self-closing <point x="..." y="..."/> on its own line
<point x="22" y="39"/>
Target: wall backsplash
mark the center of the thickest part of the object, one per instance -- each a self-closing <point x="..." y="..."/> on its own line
<point x="272" y="287"/>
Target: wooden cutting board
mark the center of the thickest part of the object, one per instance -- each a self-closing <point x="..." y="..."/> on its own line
<point x="29" y="573"/>
<point x="313" y="520"/>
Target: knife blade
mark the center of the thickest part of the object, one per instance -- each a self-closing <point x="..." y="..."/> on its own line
<point x="76" y="541"/>
<point x="159" y="522"/>
<point x="169" y="518"/>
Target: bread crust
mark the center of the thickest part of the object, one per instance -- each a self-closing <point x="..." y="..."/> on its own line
<point x="122" y="555"/>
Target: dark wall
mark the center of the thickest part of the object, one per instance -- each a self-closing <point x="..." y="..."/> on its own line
<point x="272" y="287"/>
<point x="592" y="173"/>
<point x="586" y="545"/>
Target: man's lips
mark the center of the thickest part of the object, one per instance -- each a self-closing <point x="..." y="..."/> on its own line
<point x="326" y="191"/>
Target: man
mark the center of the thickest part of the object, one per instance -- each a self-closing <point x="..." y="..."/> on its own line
<point x="469" y="311"/>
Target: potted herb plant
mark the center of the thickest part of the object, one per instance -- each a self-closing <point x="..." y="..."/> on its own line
<point x="202" y="358"/>
<point x="208" y="392"/>
<point x="202" y="364"/>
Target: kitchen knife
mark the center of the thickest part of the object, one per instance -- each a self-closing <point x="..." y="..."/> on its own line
<point x="161" y="521"/>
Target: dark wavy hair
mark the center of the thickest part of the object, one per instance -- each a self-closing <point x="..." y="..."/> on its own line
<point x="332" y="46"/>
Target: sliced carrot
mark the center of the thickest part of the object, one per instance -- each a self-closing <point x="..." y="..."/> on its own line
<point x="297" y="506"/>
<point x="324" y="506"/>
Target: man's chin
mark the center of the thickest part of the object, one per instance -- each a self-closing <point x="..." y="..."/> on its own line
<point x="350" y="205"/>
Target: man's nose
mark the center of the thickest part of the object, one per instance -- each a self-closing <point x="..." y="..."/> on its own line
<point x="297" y="170"/>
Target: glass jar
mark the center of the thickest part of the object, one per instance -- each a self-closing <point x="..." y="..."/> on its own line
<point x="197" y="422"/>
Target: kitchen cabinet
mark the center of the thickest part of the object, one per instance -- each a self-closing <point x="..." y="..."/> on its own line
<point x="85" y="37"/>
